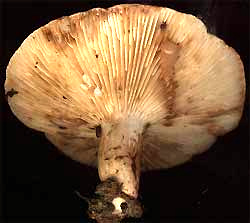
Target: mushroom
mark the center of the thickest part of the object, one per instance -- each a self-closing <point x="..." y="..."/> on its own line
<point x="127" y="88"/>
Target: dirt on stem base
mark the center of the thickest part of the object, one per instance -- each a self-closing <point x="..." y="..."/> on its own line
<point x="102" y="208"/>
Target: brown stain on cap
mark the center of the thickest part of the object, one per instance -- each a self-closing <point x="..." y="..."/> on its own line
<point x="11" y="93"/>
<point x="61" y="32"/>
<point x="215" y="129"/>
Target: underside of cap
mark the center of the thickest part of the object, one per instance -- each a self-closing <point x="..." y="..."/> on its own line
<point x="154" y="64"/>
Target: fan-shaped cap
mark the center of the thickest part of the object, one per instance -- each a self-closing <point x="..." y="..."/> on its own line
<point x="154" y="64"/>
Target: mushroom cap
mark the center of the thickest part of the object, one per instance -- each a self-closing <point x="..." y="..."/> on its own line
<point x="151" y="63"/>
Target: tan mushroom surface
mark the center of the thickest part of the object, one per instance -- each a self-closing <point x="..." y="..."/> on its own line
<point x="161" y="88"/>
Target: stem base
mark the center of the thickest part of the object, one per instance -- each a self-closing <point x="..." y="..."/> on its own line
<point x="105" y="208"/>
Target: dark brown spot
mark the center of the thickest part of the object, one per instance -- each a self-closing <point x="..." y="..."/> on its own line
<point x="129" y="31"/>
<point x="36" y="62"/>
<point x="106" y="159"/>
<point x="117" y="171"/>
<point x="163" y="26"/>
<point x="96" y="56"/>
<point x="147" y="125"/>
<point x="35" y="66"/>
<point x="64" y="97"/>
<point x="11" y="93"/>
<point x="98" y="131"/>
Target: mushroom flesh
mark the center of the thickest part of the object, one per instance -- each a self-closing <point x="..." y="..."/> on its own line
<point x="128" y="88"/>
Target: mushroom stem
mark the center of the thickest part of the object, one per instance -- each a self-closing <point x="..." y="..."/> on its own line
<point x="119" y="154"/>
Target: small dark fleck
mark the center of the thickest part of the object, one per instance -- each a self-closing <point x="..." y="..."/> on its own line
<point x="96" y="56"/>
<point x="35" y="66"/>
<point x="11" y="93"/>
<point x="62" y="127"/>
<point x="129" y="31"/>
<point x="106" y="159"/>
<point x="64" y="97"/>
<point x="116" y="171"/>
<point x="98" y="131"/>
<point x="163" y="26"/>
<point x="124" y="207"/>
<point x="147" y="125"/>
<point x="36" y="62"/>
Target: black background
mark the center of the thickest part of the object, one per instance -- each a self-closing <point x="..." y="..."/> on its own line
<point x="39" y="182"/>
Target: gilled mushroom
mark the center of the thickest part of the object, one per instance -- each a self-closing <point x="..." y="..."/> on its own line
<point x="143" y="87"/>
